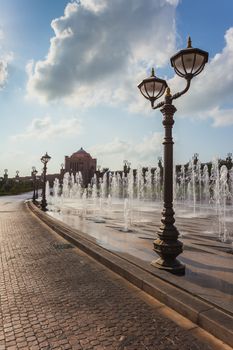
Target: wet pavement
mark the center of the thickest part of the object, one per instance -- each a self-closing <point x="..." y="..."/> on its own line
<point x="209" y="262"/>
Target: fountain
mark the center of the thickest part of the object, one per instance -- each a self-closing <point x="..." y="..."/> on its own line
<point x="121" y="211"/>
<point x="133" y="198"/>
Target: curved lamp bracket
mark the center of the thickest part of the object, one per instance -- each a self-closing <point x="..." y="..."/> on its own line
<point x="176" y="95"/>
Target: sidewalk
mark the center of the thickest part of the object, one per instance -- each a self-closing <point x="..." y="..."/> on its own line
<point x="54" y="296"/>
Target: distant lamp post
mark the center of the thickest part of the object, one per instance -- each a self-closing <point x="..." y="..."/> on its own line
<point x="195" y="158"/>
<point x="37" y="187"/>
<point x="34" y="172"/>
<point x="160" y="162"/>
<point x="160" y="167"/>
<point x="5" y="174"/>
<point x="126" y="167"/>
<point x="44" y="159"/>
<point x="229" y="160"/>
<point x="17" y="176"/>
<point x="62" y="171"/>
<point x="187" y="64"/>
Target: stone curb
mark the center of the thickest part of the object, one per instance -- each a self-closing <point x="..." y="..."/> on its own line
<point x="204" y="314"/>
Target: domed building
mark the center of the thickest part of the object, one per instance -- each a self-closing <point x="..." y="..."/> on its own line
<point x="83" y="162"/>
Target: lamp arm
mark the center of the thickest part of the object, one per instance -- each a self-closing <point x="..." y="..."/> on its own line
<point x="178" y="94"/>
<point x="175" y="96"/>
<point x="160" y="104"/>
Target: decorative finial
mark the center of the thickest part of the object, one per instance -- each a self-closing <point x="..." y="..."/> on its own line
<point x="189" y="43"/>
<point x="152" y="72"/>
<point x="168" y="91"/>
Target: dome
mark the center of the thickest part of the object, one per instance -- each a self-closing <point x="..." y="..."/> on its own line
<point x="81" y="153"/>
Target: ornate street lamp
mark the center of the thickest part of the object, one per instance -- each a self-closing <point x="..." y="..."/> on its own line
<point x="5" y="174"/>
<point x="34" y="172"/>
<point x="160" y="168"/>
<point x="17" y="176"/>
<point x="37" y="187"/>
<point x="44" y="159"/>
<point x="160" y="161"/>
<point x="187" y="64"/>
<point x="195" y="158"/>
<point x="126" y="167"/>
<point x="62" y="171"/>
<point x="229" y="161"/>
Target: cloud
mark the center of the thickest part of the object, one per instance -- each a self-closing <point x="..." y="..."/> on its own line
<point x="117" y="150"/>
<point x="5" y="59"/>
<point x="101" y="50"/>
<point x="114" y="147"/>
<point x="212" y="90"/>
<point x="103" y="63"/>
<point x="44" y="128"/>
<point x="221" y="117"/>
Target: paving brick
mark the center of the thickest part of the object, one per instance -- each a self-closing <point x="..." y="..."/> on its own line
<point x="60" y="299"/>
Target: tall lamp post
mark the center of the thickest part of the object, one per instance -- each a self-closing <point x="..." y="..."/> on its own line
<point x="229" y="160"/>
<point x="44" y="159"/>
<point x="34" y="172"/>
<point x="37" y="187"/>
<point x="5" y="174"/>
<point x="187" y="63"/>
<point x="126" y="167"/>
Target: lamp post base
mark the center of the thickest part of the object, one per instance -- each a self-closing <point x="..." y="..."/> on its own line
<point x="168" y="250"/>
<point x="173" y="266"/>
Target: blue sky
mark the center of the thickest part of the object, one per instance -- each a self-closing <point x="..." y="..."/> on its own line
<point x="69" y="73"/>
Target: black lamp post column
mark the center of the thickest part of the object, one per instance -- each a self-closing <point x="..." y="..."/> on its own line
<point x="44" y="202"/>
<point x="44" y="160"/>
<point x="36" y="186"/>
<point x="167" y="245"/>
<point x="34" y="172"/>
<point x="34" y="189"/>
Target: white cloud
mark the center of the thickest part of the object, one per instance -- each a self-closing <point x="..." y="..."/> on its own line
<point x="101" y="50"/>
<point x="145" y="152"/>
<point x="221" y="117"/>
<point x="44" y="128"/>
<point x="94" y="5"/>
<point x="210" y="91"/>
<point x="114" y="147"/>
<point x="5" y="59"/>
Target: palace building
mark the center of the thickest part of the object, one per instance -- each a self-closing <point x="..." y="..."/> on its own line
<point x="83" y="162"/>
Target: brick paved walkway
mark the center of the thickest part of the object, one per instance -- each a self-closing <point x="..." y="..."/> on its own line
<point x="53" y="296"/>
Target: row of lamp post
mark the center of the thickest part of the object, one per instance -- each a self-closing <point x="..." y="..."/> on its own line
<point x="44" y="159"/>
<point x="34" y="179"/>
